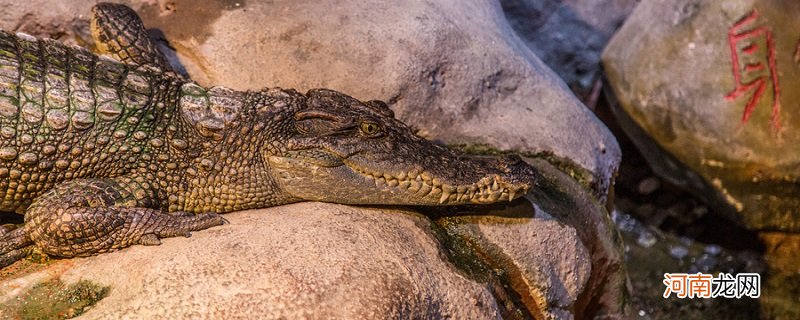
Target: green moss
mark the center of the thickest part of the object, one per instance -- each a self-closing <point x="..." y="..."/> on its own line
<point x="55" y="300"/>
<point x="467" y="257"/>
<point x="584" y="177"/>
<point x="460" y="252"/>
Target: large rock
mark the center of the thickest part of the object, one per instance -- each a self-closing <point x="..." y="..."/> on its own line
<point x="709" y="91"/>
<point x="318" y="260"/>
<point x="568" y="237"/>
<point x="453" y="69"/>
<point x="298" y="261"/>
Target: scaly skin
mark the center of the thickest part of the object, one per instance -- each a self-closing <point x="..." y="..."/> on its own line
<point x="100" y="155"/>
<point x="119" y="32"/>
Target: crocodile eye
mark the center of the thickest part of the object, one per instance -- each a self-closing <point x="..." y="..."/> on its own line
<point x="370" y="128"/>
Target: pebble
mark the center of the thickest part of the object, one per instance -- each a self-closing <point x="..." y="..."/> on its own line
<point x="699" y="211"/>
<point x="686" y="241"/>
<point x="712" y="249"/>
<point x="706" y="263"/>
<point x="646" y="239"/>
<point x="648" y="185"/>
<point x="678" y="252"/>
<point x="625" y="222"/>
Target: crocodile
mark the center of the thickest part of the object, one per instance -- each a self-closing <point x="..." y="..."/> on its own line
<point x="103" y="151"/>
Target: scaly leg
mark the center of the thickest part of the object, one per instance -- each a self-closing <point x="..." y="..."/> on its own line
<point x="118" y="32"/>
<point x="14" y="245"/>
<point x="84" y="217"/>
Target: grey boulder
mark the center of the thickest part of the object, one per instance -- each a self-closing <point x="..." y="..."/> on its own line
<point x="709" y="92"/>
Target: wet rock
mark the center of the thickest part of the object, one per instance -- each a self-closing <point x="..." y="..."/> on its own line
<point x="566" y="257"/>
<point x="568" y="35"/>
<point x="452" y="69"/>
<point x="647" y="265"/>
<point x="708" y="92"/>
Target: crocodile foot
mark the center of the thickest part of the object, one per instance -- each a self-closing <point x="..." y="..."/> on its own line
<point x="84" y="217"/>
<point x="14" y="245"/>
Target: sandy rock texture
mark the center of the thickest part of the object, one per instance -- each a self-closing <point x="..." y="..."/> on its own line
<point x="309" y="260"/>
<point x="716" y="111"/>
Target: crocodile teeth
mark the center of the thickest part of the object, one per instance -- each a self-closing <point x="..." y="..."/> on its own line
<point x="444" y="197"/>
<point x="426" y="176"/>
<point x="434" y="191"/>
<point x="487" y="189"/>
<point x="425" y="189"/>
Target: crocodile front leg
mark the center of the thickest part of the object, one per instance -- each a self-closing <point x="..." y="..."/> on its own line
<point x="14" y="245"/>
<point x="85" y="217"/>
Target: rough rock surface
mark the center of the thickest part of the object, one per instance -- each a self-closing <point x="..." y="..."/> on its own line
<point x="367" y="263"/>
<point x="298" y="261"/>
<point x="568" y="35"/>
<point x="570" y="262"/>
<point x="716" y="111"/>
<point x="453" y="69"/>
<point x="328" y="261"/>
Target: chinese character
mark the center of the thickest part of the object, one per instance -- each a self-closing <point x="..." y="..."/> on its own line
<point x="675" y="282"/>
<point x="724" y="286"/>
<point x="753" y="54"/>
<point x="749" y="285"/>
<point x="700" y="285"/>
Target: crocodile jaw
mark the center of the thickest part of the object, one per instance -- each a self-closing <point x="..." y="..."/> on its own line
<point x="354" y="183"/>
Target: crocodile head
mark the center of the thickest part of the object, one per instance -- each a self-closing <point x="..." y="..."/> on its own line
<point x="347" y="151"/>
